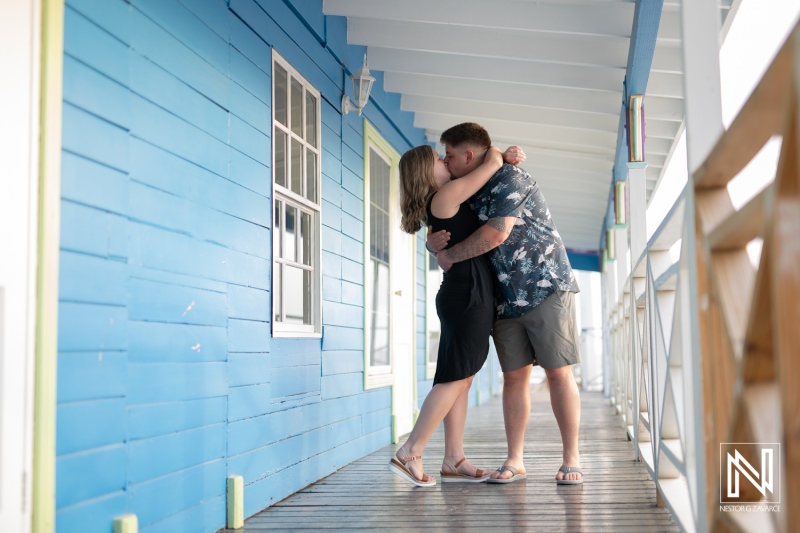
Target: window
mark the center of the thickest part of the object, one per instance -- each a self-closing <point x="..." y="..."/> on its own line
<point x="388" y="266"/>
<point x="296" y="204"/>
<point x="433" y="279"/>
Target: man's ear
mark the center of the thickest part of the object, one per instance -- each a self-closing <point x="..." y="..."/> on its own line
<point x="469" y="155"/>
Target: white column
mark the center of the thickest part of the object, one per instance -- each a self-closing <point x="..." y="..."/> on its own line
<point x="702" y="102"/>
<point x="637" y="216"/>
<point x="20" y="37"/>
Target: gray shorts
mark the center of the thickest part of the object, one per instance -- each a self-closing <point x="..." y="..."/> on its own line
<point x="547" y="335"/>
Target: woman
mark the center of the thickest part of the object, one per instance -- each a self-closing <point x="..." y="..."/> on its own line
<point x="465" y="305"/>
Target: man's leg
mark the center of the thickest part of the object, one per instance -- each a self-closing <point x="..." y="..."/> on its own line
<point x="566" y="402"/>
<point x="516" y="410"/>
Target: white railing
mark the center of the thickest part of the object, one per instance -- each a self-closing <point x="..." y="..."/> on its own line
<point x="706" y="349"/>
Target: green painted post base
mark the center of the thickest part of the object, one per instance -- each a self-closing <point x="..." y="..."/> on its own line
<point x="127" y="523"/>
<point x="235" y="486"/>
<point x="395" y="436"/>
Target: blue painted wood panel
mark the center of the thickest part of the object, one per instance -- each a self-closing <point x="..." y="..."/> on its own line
<point x="170" y="173"/>
<point x="153" y="500"/>
<point x="249" y="401"/>
<point x="162" y="418"/>
<point x="165" y="382"/>
<point x="108" y="468"/>
<point x="153" y="342"/>
<point x="89" y="424"/>
<point x="254" y="79"/>
<point x="213" y="13"/>
<point x="157" y="44"/>
<point x="94" y="138"/>
<point x="90" y="183"/>
<point x="248" y="369"/>
<point x="91" y="376"/>
<point x="154" y="457"/>
<point x="169" y="378"/>
<point x="92" y="516"/>
<point x="96" y="93"/>
<point x="195" y="518"/>
<point x="91" y="44"/>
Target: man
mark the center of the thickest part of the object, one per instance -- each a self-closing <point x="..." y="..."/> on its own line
<point x="535" y="286"/>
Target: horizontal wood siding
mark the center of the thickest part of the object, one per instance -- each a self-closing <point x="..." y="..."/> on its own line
<point x="168" y="377"/>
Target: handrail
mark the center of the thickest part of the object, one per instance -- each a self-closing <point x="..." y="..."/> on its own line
<point x="761" y="117"/>
<point x="744" y="317"/>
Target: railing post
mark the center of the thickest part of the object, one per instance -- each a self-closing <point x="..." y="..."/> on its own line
<point x="637" y="201"/>
<point x="700" y="39"/>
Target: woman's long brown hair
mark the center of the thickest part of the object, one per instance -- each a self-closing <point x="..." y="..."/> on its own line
<point x="416" y="186"/>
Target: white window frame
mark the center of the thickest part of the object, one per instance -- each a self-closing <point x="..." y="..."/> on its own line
<point x="288" y="197"/>
<point x="377" y="376"/>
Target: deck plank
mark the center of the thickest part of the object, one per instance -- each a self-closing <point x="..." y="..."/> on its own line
<point x="617" y="495"/>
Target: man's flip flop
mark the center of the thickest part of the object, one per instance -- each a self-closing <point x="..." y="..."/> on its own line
<point x="566" y="470"/>
<point x="515" y="475"/>
<point x="400" y="469"/>
<point x="455" y="477"/>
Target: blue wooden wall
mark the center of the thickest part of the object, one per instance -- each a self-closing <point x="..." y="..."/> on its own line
<point x="168" y="378"/>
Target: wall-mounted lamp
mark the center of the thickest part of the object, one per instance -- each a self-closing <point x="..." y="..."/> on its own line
<point x="362" y="85"/>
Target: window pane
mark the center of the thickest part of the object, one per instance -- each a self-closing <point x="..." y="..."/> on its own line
<point x="379" y="334"/>
<point x="294" y="302"/>
<point x="290" y="246"/>
<point x="277" y="236"/>
<point x="297" y="107"/>
<point x="433" y="346"/>
<point x="311" y="119"/>
<point x="311" y="176"/>
<point x="298" y="295"/>
<point x="382" y="246"/>
<point x="372" y="230"/>
<point x="306" y="239"/>
<point x="280" y="157"/>
<point x="280" y="94"/>
<point x="297" y="167"/>
<point x="277" y="292"/>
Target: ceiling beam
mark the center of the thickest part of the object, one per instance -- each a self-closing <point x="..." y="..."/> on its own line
<point x="667" y="84"/>
<point x="477" y="110"/>
<point x="508" y="70"/>
<point x="513" y="44"/>
<point x="509" y="93"/>
<point x="528" y="133"/>
<point x="661" y="129"/>
<point x="593" y="181"/>
<point x="593" y="19"/>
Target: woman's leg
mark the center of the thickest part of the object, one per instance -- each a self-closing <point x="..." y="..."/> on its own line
<point x="454" y="424"/>
<point x="434" y="409"/>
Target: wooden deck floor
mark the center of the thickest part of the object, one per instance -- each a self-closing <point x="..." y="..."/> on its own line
<point x="617" y="494"/>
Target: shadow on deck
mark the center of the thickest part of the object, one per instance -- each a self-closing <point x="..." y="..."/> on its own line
<point x="617" y="494"/>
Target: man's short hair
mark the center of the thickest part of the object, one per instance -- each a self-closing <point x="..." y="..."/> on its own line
<point x="466" y="133"/>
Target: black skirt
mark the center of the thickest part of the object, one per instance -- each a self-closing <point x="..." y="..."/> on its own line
<point x="465" y="305"/>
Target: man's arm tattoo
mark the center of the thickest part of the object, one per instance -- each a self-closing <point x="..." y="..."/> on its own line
<point x="477" y="244"/>
<point x="473" y="246"/>
<point x="503" y="225"/>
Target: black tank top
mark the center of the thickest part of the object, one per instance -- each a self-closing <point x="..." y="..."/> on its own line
<point x="461" y="225"/>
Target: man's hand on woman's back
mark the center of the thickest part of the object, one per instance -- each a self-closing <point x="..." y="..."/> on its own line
<point x="514" y="155"/>
<point x="436" y="240"/>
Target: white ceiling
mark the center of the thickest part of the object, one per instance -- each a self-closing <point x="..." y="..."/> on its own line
<point x="543" y="74"/>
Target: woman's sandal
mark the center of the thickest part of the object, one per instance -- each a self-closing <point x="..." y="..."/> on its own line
<point x="398" y="466"/>
<point x="456" y="477"/>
